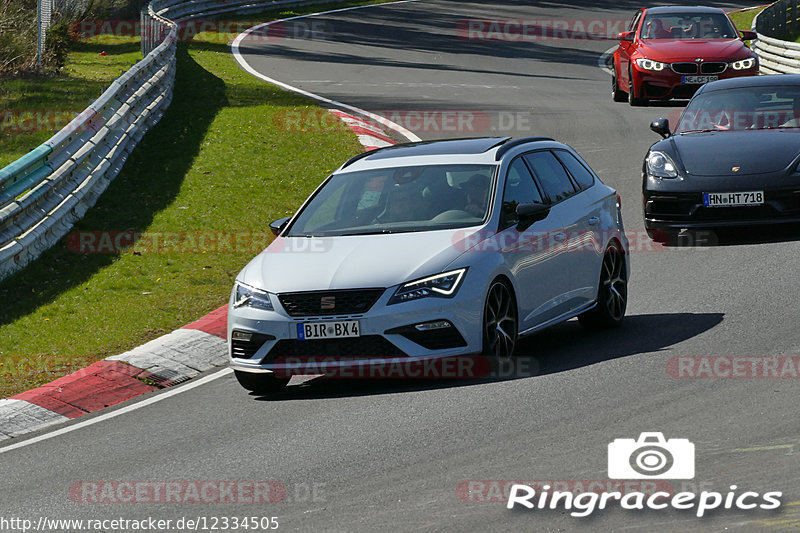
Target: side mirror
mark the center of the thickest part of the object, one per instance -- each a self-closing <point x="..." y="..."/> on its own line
<point x="532" y="212"/>
<point x="748" y="35"/>
<point x="661" y="126"/>
<point x="277" y="226"/>
<point x="626" y="36"/>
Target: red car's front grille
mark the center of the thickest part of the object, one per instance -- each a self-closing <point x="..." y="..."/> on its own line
<point x="684" y="68"/>
<point x="713" y="67"/>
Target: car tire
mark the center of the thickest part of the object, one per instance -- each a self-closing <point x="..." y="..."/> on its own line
<point x="260" y="383"/>
<point x="617" y="94"/>
<point x="499" y="321"/>
<point x="633" y="99"/>
<point x="612" y="292"/>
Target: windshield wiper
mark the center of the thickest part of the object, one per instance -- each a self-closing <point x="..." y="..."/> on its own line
<point x="700" y="131"/>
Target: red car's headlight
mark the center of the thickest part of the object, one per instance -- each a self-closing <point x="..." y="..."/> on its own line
<point x="649" y="64"/>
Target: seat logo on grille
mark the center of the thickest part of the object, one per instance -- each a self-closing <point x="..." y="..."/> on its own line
<point x="326" y="303"/>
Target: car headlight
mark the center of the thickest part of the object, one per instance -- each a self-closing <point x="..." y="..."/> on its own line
<point x="244" y="296"/>
<point x="744" y="64"/>
<point x="649" y="64"/>
<point x="442" y="285"/>
<point x="661" y="165"/>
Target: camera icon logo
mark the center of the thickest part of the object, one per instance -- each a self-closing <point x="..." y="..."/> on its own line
<point x="651" y="457"/>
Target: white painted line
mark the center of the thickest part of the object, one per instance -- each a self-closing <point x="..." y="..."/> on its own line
<point x="246" y="66"/>
<point x="602" y="61"/>
<point x="127" y="409"/>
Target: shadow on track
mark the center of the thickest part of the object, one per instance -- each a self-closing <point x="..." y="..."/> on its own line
<point x="557" y="349"/>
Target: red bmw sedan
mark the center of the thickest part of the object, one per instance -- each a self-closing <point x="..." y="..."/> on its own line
<point x="669" y="52"/>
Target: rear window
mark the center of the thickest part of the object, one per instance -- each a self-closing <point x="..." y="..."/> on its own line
<point x="580" y="173"/>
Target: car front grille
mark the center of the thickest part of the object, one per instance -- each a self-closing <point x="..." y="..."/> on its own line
<point x="684" y="68"/>
<point x="713" y="67"/>
<point x="329" y="303"/>
<point x="368" y="346"/>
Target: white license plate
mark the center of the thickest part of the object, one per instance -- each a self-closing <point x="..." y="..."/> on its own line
<point x="733" y="199"/>
<point x="328" y="330"/>
<point x="698" y="80"/>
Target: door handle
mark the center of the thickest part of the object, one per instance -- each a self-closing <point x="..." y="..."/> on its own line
<point x="594" y="220"/>
<point x="559" y="237"/>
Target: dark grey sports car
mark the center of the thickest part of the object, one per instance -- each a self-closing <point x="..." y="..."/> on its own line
<point x="731" y="160"/>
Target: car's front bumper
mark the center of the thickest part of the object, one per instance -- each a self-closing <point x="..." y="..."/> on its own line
<point x="666" y="84"/>
<point x="669" y="210"/>
<point x="387" y="334"/>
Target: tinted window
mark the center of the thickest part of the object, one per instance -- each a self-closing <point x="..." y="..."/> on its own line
<point x="744" y="108"/>
<point x="551" y="174"/>
<point x="688" y="26"/>
<point x="520" y="189"/>
<point x="398" y="199"/>
<point x="580" y="173"/>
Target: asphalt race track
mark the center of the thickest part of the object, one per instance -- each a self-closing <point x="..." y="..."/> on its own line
<point x="396" y="455"/>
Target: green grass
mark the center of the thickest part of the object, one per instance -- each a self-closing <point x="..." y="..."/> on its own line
<point x="32" y="109"/>
<point x="744" y="19"/>
<point x="215" y="162"/>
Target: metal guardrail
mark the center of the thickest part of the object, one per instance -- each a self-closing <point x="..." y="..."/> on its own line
<point x="775" y="55"/>
<point x="44" y="192"/>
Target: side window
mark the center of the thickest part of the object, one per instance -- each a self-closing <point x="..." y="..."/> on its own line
<point x="520" y="189"/>
<point x="551" y="174"/>
<point x="582" y="176"/>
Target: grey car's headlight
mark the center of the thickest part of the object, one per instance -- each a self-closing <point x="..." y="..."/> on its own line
<point x="660" y="165"/>
<point x="649" y="64"/>
<point x="744" y="64"/>
<point x="442" y="285"/>
<point x="244" y="296"/>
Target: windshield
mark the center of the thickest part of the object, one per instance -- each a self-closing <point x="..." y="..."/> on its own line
<point x="396" y="200"/>
<point x="747" y="108"/>
<point x="688" y="26"/>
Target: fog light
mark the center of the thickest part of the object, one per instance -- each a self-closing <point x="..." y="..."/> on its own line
<point x="428" y="326"/>
<point x="241" y="336"/>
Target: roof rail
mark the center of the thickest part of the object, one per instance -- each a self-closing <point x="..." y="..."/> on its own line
<point x="516" y="142"/>
<point x="500" y="140"/>
<point x="362" y="155"/>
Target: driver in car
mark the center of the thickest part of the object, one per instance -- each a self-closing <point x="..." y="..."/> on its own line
<point x="477" y="191"/>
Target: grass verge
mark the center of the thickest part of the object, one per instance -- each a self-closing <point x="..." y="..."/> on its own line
<point x="215" y="163"/>
<point x="744" y="19"/>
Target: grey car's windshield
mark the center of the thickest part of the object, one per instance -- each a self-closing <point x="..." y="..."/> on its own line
<point x="396" y="200"/>
<point x="688" y="26"/>
<point x="744" y="108"/>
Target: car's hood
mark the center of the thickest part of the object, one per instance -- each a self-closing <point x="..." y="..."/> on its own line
<point x="755" y="152"/>
<point x="673" y="50"/>
<point x="364" y="261"/>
